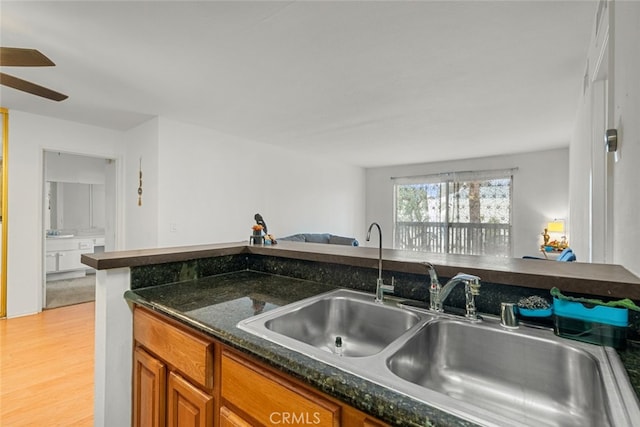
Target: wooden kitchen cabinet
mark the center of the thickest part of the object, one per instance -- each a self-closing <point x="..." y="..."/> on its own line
<point x="253" y="394"/>
<point x="187" y="406"/>
<point x="149" y="379"/>
<point x="228" y="418"/>
<point x="351" y="417"/>
<point x="269" y="398"/>
<point x="186" y="379"/>
<point x="172" y="374"/>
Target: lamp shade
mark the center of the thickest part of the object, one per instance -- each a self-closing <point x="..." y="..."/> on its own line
<point x="555" y="227"/>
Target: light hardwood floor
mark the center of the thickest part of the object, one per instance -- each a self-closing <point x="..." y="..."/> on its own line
<point x="46" y="368"/>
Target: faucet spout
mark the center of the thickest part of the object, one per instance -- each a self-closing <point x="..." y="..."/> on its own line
<point x="379" y="246"/>
<point x="471" y="289"/>
<point x="380" y="286"/>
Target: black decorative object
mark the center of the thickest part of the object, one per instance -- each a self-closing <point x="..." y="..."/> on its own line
<point x="140" y="184"/>
<point x="260" y="221"/>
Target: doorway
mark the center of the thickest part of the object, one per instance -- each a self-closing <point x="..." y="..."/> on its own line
<point x="77" y="220"/>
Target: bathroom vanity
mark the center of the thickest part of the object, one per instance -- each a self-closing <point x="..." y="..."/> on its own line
<point x="63" y="254"/>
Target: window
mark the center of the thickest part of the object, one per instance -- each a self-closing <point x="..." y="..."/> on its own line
<point x="458" y="213"/>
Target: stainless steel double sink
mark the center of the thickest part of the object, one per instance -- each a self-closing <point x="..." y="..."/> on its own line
<point x="478" y="371"/>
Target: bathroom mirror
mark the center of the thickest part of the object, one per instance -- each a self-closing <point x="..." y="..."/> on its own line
<point x="74" y="206"/>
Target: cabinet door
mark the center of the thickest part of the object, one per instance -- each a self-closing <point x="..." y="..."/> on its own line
<point x="188" y="406"/>
<point x="228" y="418"/>
<point x="52" y="262"/>
<point x="149" y="384"/>
<point x="70" y="260"/>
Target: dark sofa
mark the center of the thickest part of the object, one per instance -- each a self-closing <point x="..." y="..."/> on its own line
<point x="327" y="238"/>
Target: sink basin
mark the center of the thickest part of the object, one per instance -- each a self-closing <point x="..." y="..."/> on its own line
<point x="477" y="371"/>
<point x="525" y="378"/>
<point x="363" y="327"/>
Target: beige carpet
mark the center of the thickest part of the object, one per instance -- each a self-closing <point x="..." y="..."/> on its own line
<point x="71" y="291"/>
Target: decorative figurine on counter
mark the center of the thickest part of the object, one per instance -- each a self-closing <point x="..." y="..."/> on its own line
<point x="546" y="237"/>
<point x="257" y="230"/>
<point x="261" y="226"/>
<point x="564" y="243"/>
<point x="257" y="238"/>
<point x="260" y="221"/>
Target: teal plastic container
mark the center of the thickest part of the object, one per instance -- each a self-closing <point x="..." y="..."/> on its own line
<point x="596" y="324"/>
<point x="536" y="312"/>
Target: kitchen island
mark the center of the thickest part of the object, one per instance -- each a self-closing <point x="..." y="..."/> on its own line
<point x="162" y="279"/>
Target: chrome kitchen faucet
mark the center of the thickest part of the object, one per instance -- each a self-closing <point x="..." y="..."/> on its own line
<point x="380" y="286"/>
<point x="439" y="294"/>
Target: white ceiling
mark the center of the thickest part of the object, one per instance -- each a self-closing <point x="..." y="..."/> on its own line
<point x="370" y="83"/>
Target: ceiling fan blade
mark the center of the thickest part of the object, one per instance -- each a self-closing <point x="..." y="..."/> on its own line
<point x="25" y="86"/>
<point x="18" y="57"/>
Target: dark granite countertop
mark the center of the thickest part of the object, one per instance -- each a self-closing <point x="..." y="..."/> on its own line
<point x="214" y="305"/>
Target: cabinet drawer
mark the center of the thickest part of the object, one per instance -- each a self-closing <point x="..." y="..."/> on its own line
<point x="186" y="352"/>
<point x="271" y="399"/>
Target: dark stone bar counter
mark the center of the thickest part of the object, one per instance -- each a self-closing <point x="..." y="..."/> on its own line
<point x="212" y="287"/>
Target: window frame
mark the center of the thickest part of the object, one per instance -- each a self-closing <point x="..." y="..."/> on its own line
<point x="447" y="179"/>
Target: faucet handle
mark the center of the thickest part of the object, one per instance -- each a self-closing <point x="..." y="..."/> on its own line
<point x="471" y="283"/>
<point x="474" y="287"/>
<point x="467" y="277"/>
<point x="389" y="288"/>
<point x="508" y="315"/>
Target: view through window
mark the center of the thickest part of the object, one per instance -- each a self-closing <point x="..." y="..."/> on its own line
<point x="459" y="213"/>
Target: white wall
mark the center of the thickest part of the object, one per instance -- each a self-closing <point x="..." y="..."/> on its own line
<point x="620" y="241"/>
<point x="211" y="185"/>
<point x="540" y="192"/>
<point x="587" y="182"/>
<point x="29" y="135"/>
<point x="62" y="167"/>
<point x="201" y="186"/>
<point x="579" y="180"/>
<point x="141" y="224"/>
<point x="206" y="183"/>
<point x="626" y="114"/>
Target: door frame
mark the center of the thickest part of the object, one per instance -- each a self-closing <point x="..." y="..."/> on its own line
<point x="4" y="113"/>
<point x="112" y="216"/>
